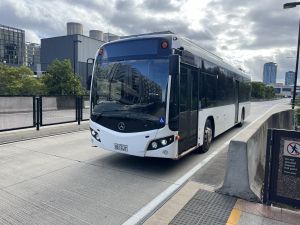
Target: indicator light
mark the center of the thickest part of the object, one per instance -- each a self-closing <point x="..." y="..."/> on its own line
<point x="164" y="44"/>
<point x="154" y="144"/>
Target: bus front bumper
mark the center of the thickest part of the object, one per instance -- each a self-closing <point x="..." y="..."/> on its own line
<point x="132" y="143"/>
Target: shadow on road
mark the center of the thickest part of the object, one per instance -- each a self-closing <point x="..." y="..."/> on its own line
<point x="158" y="167"/>
<point x="147" y="166"/>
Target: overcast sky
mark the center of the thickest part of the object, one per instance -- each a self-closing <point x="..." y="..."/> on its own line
<point x="246" y="33"/>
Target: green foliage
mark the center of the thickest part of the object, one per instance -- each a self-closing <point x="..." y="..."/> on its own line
<point x="257" y="90"/>
<point x="261" y="91"/>
<point x="32" y="86"/>
<point x="269" y="92"/>
<point x="60" y="79"/>
<point x="19" y="81"/>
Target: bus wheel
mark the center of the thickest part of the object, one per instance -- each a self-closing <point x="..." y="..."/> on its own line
<point x="207" y="136"/>
<point x="240" y="124"/>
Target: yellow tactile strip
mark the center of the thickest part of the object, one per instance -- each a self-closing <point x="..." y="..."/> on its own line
<point x="234" y="217"/>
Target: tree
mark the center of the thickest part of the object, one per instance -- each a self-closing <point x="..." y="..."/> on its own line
<point x="60" y="79"/>
<point x="32" y="86"/>
<point x="258" y="90"/>
<point x="19" y="81"/>
<point x="269" y="92"/>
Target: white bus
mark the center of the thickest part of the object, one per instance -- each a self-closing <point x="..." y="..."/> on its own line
<point x="163" y="96"/>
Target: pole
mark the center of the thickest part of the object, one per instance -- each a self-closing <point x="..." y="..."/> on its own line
<point x="74" y="56"/>
<point x="74" y="51"/>
<point x="296" y="70"/>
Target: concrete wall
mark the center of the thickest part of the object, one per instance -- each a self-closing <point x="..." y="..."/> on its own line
<point x="245" y="169"/>
<point x="24" y="104"/>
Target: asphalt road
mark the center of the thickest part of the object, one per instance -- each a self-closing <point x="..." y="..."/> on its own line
<point x="62" y="180"/>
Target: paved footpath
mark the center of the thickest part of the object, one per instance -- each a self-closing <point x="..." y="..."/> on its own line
<point x="197" y="203"/>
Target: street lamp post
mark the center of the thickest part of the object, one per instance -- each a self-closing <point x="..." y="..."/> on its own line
<point x="287" y="6"/>
<point x="74" y="54"/>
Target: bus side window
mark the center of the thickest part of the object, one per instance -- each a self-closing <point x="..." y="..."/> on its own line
<point x="183" y="89"/>
<point x="195" y="89"/>
<point x="211" y="90"/>
<point x="210" y="72"/>
<point x="202" y="103"/>
<point x="174" y="101"/>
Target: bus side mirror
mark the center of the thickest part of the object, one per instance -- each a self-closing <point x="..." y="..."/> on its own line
<point x="174" y="64"/>
<point x="88" y="83"/>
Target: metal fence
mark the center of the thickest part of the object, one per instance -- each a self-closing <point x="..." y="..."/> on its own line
<point x="282" y="177"/>
<point x="19" y="112"/>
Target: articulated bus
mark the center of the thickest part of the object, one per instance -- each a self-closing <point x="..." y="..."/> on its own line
<point x="163" y="96"/>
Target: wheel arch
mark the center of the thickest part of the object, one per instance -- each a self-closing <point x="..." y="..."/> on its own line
<point x="212" y="121"/>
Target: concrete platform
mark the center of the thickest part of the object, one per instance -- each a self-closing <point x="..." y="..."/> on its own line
<point x="186" y="207"/>
<point x="198" y="204"/>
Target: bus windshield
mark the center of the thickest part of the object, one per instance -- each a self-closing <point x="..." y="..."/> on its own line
<point x="131" y="89"/>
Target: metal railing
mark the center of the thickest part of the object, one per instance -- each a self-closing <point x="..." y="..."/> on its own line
<point x="19" y="112"/>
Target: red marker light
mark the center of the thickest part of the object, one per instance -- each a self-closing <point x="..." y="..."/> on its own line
<point x="164" y="44"/>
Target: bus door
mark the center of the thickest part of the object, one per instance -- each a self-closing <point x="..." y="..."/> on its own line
<point x="188" y="107"/>
<point x="236" y="94"/>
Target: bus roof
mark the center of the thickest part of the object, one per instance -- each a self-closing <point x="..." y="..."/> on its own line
<point x="188" y="45"/>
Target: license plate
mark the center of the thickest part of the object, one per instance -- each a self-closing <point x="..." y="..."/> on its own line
<point x="120" y="147"/>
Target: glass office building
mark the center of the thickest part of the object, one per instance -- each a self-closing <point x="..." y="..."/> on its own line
<point x="12" y="46"/>
<point x="32" y="57"/>
<point x="289" y="78"/>
<point x="270" y="72"/>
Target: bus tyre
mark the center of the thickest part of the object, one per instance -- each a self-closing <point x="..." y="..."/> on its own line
<point x="240" y="124"/>
<point x="207" y="136"/>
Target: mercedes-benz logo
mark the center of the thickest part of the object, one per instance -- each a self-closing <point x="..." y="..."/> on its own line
<point x="121" y="126"/>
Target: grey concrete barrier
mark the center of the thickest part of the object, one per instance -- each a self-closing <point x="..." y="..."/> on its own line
<point x="245" y="169"/>
<point x="49" y="103"/>
<point x="15" y="104"/>
<point x="18" y="104"/>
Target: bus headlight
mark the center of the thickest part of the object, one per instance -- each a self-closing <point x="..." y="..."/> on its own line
<point x="164" y="142"/>
<point x="97" y="137"/>
<point x="161" y="142"/>
<point x="95" y="134"/>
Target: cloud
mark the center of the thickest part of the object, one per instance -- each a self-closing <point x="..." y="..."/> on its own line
<point x="160" y="6"/>
<point x="246" y="33"/>
<point x="31" y="36"/>
<point x="252" y="34"/>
